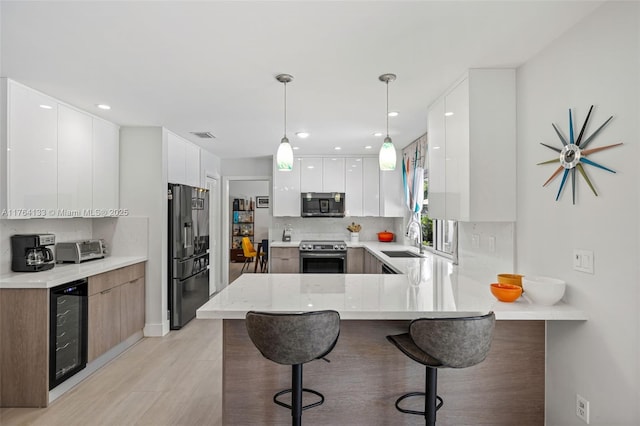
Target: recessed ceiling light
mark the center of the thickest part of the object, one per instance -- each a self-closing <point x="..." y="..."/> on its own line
<point x="448" y="114"/>
<point x="337" y="148"/>
<point x="310" y="167"/>
<point x="393" y="113"/>
<point x="367" y="147"/>
<point x="357" y="159"/>
<point x="46" y="106"/>
<point x="436" y="147"/>
<point x="103" y="106"/>
<point x="296" y="147"/>
<point x="377" y="134"/>
<point x="302" y="135"/>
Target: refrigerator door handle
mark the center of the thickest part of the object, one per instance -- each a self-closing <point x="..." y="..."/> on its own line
<point x="187" y="234"/>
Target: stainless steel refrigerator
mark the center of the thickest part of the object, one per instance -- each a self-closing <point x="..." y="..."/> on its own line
<point x="188" y="252"/>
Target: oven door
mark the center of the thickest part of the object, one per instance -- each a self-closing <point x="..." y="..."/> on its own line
<point x="323" y="263"/>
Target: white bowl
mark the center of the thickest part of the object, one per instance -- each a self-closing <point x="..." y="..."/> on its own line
<point x="543" y="290"/>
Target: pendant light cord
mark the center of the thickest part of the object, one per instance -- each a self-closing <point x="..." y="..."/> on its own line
<point x="285" y="109"/>
<point x="387" y="82"/>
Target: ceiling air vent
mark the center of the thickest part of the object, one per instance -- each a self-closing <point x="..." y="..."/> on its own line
<point x="204" y="135"/>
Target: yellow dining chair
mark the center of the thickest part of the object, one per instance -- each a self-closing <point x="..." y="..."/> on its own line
<point x="250" y="253"/>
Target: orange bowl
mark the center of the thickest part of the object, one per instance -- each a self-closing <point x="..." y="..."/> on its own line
<point x="505" y="292"/>
<point x="513" y="279"/>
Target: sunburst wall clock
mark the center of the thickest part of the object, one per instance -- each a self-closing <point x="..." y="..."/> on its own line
<point x="573" y="155"/>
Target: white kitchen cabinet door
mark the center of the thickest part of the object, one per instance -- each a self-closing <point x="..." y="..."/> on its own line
<point x="437" y="154"/>
<point x="311" y="172"/>
<point x="370" y="186"/>
<point x="354" y="196"/>
<point x="75" y="134"/>
<point x="106" y="167"/>
<point x="392" y="192"/>
<point x="176" y="159"/>
<point x="32" y="152"/>
<point x="457" y="152"/>
<point x="478" y="163"/>
<point x="286" y="191"/>
<point x="333" y="174"/>
<point x="192" y="165"/>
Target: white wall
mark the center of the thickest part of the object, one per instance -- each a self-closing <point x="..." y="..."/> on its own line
<point x="143" y="190"/>
<point x="597" y="62"/>
<point x="254" y="166"/>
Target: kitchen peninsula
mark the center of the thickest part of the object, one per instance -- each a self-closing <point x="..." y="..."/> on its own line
<point x="366" y="373"/>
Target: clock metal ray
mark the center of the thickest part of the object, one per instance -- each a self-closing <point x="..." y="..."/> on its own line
<point x="573" y="155"/>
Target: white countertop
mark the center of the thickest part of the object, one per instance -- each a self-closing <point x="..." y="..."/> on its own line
<point x="66" y="272"/>
<point x="429" y="286"/>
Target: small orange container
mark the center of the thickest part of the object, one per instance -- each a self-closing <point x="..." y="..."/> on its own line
<point x="505" y="292"/>
<point x="513" y="279"/>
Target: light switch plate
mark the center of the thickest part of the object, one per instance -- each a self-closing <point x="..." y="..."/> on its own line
<point x="583" y="260"/>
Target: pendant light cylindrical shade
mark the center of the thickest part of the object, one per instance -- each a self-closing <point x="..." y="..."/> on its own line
<point x="284" y="156"/>
<point x="387" y="155"/>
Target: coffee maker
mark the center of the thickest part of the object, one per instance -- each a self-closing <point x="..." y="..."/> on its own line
<point x="30" y="254"/>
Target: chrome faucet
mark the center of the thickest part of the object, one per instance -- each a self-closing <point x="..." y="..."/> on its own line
<point x="411" y="232"/>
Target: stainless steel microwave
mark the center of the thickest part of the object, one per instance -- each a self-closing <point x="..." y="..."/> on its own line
<point x="322" y="204"/>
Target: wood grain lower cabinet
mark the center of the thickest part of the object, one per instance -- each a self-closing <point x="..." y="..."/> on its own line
<point x="116" y="308"/>
<point x="131" y="308"/>
<point x="284" y="260"/>
<point x="355" y="260"/>
<point x="104" y="322"/>
<point x="372" y="265"/>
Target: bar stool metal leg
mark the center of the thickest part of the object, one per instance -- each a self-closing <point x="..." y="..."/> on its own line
<point x="296" y="395"/>
<point x="431" y="396"/>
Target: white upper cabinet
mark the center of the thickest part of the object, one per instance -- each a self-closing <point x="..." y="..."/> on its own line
<point x="183" y="161"/>
<point x="333" y="174"/>
<point x="30" y="140"/>
<point x="192" y="165"/>
<point x="75" y="133"/>
<point x="176" y="155"/>
<point x="354" y="195"/>
<point x="370" y="187"/>
<point x="286" y="191"/>
<point x="60" y="162"/>
<point x="311" y="174"/>
<point x="106" y="166"/>
<point x="472" y="150"/>
<point x="436" y="166"/>
<point x="391" y="192"/>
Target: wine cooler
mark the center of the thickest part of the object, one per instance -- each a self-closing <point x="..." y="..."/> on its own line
<point x="67" y="331"/>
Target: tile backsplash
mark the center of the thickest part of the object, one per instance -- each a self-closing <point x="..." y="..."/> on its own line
<point x="322" y="228"/>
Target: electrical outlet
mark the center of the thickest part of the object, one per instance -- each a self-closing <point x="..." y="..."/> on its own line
<point x="582" y="408"/>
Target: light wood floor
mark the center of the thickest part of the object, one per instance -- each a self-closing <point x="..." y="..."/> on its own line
<point x="235" y="268"/>
<point x="170" y="380"/>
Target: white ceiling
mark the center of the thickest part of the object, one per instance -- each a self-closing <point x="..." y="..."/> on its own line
<point x="211" y="65"/>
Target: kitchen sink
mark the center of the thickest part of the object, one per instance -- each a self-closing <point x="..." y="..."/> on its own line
<point x="400" y="253"/>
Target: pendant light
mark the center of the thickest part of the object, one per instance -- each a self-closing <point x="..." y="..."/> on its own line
<point x="284" y="156"/>
<point x="387" y="156"/>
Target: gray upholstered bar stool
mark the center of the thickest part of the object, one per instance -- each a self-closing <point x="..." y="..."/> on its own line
<point x="443" y="343"/>
<point x="294" y="339"/>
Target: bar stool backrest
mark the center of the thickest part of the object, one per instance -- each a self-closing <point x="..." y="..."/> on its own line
<point x="455" y="342"/>
<point x="293" y="338"/>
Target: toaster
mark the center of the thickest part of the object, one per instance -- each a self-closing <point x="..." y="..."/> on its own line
<point x="80" y="251"/>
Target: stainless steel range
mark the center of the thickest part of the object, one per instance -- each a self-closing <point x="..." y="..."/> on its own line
<point x="323" y="257"/>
